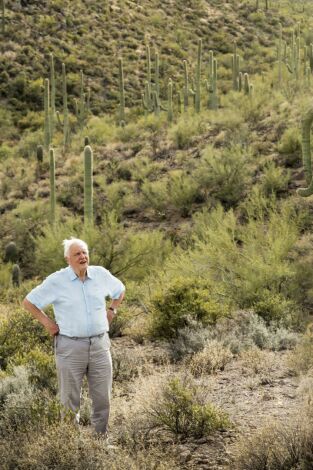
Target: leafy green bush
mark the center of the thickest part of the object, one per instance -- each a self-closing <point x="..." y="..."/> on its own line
<point x="290" y="142"/>
<point x="22" y="408"/>
<point x="180" y="302"/>
<point x="224" y="174"/>
<point x="41" y="366"/>
<point x="274" y="179"/>
<point x="20" y="334"/>
<point x="182" y="411"/>
<point x="187" y="127"/>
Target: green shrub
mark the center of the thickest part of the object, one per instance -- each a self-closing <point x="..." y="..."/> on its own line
<point x="224" y="174"/>
<point x="186" y="129"/>
<point x="274" y="179"/>
<point x="273" y="306"/>
<point x="180" y="302"/>
<point x="182" y="411"/>
<point x="20" y="334"/>
<point x="22" y="408"/>
<point x="101" y="130"/>
<point x="290" y="142"/>
<point x="41" y="366"/>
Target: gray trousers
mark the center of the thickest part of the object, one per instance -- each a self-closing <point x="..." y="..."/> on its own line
<point x="77" y="357"/>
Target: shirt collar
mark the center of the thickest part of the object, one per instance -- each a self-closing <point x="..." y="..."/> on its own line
<point x="73" y="275"/>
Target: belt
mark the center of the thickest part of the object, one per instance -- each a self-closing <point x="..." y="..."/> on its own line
<point x="84" y="337"/>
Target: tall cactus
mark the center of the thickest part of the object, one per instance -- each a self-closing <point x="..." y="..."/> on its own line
<point x="122" y="93"/>
<point x="16" y="275"/>
<point x="47" y="128"/>
<point x="52" y="186"/>
<point x="65" y="124"/>
<point x="186" y="86"/>
<point x="170" y="101"/>
<point x="88" y="185"/>
<point x="212" y="82"/>
<point x="10" y="253"/>
<point x="306" y="153"/>
<point x="148" y="81"/>
<point x="52" y="97"/>
<point x="198" y="78"/>
<point x="235" y="68"/>
<point x="280" y="53"/>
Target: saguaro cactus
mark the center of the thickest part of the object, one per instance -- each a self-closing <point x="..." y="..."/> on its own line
<point x="52" y="185"/>
<point x="122" y="93"/>
<point x="65" y="124"/>
<point x="212" y="82"/>
<point x="235" y="68"/>
<point x="47" y="134"/>
<point x="198" y="78"/>
<point x="306" y="153"/>
<point x="88" y="185"/>
<point x="10" y="253"/>
<point x="52" y="96"/>
<point x="39" y="154"/>
<point x="170" y="101"/>
<point x="186" y="86"/>
<point x="16" y="275"/>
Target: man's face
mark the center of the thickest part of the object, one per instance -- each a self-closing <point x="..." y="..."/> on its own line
<point x="78" y="258"/>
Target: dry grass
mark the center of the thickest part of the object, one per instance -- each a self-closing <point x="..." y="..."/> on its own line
<point x="213" y="357"/>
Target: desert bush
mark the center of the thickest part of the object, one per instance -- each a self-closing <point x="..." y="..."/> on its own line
<point x="300" y="360"/>
<point x="64" y="446"/>
<point x="213" y="357"/>
<point x="245" y="261"/>
<point x="41" y="367"/>
<point x="22" y="408"/>
<point x="290" y="142"/>
<point x="182" y="410"/>
<point x="224" y="174"/>
<point x="101" y="131"/>
<point x="20" y="334"/>
<point x="190" y="340"/>
<point x="277" y="446"/>
<point x="274" y="179"/>
<point x="176" y="193"/>
<point x="179" y="303"/>
<point x="127" y="364"/>
<point x="186" y="128"/>
<point x="245" y="329"/>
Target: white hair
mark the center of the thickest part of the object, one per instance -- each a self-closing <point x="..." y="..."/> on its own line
<point x="73" y="241"/>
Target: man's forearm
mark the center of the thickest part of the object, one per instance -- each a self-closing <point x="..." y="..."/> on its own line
<point x="116" y="302"/>
<point x="39" y="315"/>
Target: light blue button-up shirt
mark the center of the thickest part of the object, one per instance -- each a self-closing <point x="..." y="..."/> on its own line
<point x="79" y="307"/>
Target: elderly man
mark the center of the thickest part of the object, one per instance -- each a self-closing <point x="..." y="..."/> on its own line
<point x="81" y="327"/>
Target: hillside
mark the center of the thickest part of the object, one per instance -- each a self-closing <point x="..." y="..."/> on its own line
<point x="194" y="206"/>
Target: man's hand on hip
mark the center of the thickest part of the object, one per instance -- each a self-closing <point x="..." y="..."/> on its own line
<point x="51" y="327"/>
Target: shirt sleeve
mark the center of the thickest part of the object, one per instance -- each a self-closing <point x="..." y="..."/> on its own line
<point x="44" y="294"/>
<point x="113" y="285"/>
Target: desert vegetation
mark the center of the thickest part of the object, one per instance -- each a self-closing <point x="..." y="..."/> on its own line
<point x="169" y="136"/>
